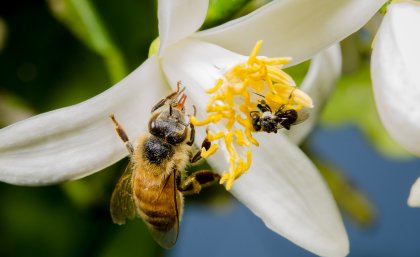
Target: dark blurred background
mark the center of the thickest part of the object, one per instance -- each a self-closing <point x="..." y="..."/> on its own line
<point x="51" y="57"/>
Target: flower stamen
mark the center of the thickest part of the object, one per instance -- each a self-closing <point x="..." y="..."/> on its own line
<point x="236" y="95"/>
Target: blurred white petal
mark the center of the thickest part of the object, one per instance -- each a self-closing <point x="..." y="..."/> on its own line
<point x="395" y="74"/>
<point x="179" y="19"/>
<point x="285" y="190"/>
<point x="76" y="141"/>
<point x="414" y="198"/>
<point x="319" y="82"/>
<point x="294" y="28"/>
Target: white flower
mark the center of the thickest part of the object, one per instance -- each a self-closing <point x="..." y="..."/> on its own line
<point x="282" y="186"/>
<point x="395" y="74"/>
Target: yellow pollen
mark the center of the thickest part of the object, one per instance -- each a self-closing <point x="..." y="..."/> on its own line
<point x="236" y="96"/>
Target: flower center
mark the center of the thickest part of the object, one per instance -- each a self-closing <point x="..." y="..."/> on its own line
<point x="239" y="94"/>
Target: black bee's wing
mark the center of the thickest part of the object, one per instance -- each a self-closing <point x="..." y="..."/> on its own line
<point x="122" y="205"/>
<point x="167" y="239"/>
<point x="302" y="116"/>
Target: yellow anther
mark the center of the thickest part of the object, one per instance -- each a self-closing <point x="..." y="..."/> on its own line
<point x="228" y="142"/>
<point x="248" y="159"/>
<point x="277" y="61"/>
<point x="216" y="87"/>
<point x="302" y="98"/>
<point x="218" y="108"/>
<point x="239" y="169"/>
<point x="214" y="98"/>
<point x="240" y="139"/>
<point x="244" y="122"/>
<point x="258" y="86"/>
<point x="230" y="123"/>
<point x="249" y="136"/>
<point x="254" y="53"/>
<point x="279" y="76"/>
<point x="212" y="150"/>
<point x="216" y="136"/>
<point x="213" y="118"/>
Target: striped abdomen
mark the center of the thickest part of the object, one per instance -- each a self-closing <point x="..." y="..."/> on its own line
<point x="155" y="197"/>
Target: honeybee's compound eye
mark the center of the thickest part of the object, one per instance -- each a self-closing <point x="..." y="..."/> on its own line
<point x="155" y="129"/>
<point x="176" y="138"/>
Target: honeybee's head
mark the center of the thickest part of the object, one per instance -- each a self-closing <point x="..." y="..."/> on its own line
<point x="169" y="122"/>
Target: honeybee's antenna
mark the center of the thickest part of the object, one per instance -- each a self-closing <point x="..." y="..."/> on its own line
<point x="178" y="92"/>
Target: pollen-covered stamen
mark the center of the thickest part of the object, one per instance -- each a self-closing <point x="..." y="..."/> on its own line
<point x="235" y="95"/>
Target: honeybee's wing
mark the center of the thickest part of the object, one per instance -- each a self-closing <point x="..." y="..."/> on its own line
<point x="167" y="239"/>
<point x="122" y="205"/>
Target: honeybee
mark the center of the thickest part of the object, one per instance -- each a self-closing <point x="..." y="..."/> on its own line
<point x="153" y="185"/>
<point x="265" y="120"/>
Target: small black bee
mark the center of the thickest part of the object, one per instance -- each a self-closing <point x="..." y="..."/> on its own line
<point x="265" y="120"/>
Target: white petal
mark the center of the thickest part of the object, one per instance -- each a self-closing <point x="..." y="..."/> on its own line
<point x="414" y="198"/>
<point x="198" y="65"/>
<point x="282" y="187"/>
<point x="78" y="140"/>
<point x="319" y="82"/>
<point x="285" y="190"/>
<point x="395" y="74"/>
<point x="294" y="28"/>
<point x="179" y="19"/>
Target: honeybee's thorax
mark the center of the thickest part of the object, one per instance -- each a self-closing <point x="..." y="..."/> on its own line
<point x="156" y="151"/>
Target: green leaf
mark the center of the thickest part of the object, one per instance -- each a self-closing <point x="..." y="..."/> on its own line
<point x="81" y="18"/>
<point x="220" y="11"/>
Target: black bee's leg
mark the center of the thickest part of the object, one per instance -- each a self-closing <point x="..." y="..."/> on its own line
<point x="122" y="135"/>
<point x="197" y="156"/>
<point x="263" y="106"/>
<point x="196" y="181"/>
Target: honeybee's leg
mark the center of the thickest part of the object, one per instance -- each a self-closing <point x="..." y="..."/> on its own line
<point x="168" y="97"/>
<point x="192" y="135"/>
<point x="197" y="156"/>
<point x="192" y="130"/>
<point x="196" y="181"/>
<point x="122" y="135"/>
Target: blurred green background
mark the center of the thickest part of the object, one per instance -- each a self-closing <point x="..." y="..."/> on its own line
<point x="59" y="52"/>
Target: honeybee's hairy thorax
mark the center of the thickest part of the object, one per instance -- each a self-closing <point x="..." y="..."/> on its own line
<point x="155" y="150"/>
<point x="160" y="158"/>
